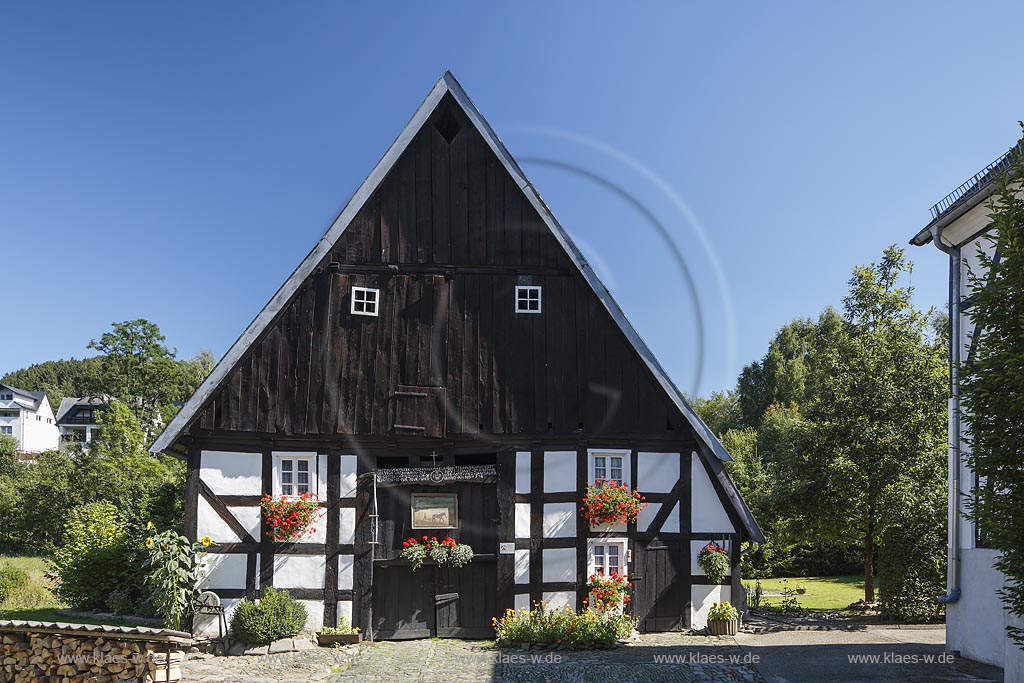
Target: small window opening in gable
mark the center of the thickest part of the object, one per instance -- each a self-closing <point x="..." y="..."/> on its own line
<point x="365" y="301"/>
<point x="448" y="126"/>
<point x="528" y="299"/>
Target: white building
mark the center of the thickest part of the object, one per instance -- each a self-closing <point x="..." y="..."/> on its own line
<point x="27" y="416"/>
<point x="76" y="419"/>
<point x="975" y="619"/>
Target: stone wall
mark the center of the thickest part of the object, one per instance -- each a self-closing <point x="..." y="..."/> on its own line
<point x="33" y="656"/>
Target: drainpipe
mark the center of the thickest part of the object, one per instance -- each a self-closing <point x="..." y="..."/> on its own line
<point x="953" y="570"/>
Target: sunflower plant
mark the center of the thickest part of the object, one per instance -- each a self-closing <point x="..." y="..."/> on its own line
<point x="174" y="568"/>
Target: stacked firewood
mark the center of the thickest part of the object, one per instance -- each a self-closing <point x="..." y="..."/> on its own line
<point x="48" y="658"/>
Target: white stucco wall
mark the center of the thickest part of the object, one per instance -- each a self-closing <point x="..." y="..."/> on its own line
<point x="706" y="510"/>
<point x="232" y="473"/>
<point x="702" y="598"/>
<point x="970" y="626"/>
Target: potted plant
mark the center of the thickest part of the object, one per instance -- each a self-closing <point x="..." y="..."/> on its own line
<point x="714" y="560"/>
<point x="608" y="593"/>
<point x="289" y="518"/>
<point x="801" y="588"/>
<point x="723" y="619"/>
<point x="342" y="634"/>
<point x="447" y="552"/>
<point x="609" y="503"/>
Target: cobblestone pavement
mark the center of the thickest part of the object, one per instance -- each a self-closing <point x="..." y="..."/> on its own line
<point x="653" y="658"/>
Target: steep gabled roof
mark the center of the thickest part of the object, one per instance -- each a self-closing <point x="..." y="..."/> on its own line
<point x="35" y="397"/>
<point x="447" y="85"/>
<point x="68" y="403"/>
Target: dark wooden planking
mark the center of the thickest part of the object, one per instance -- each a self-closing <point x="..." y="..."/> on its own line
<point x="476" y="197"/>
<point x="423" y="201"/>
<point x="440" y="197"/>
<point x="458" y="203"/>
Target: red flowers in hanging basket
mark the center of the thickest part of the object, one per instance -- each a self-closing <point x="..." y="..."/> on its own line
<point x="714" y="560"/>
<point x="290" y="518"/>
<point x="607" y="503"/>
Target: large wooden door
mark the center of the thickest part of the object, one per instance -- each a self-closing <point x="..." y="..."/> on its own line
<point x="658" y="603"/>
<point x="437" y="601"/>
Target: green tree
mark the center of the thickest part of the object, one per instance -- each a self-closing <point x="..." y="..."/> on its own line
<point x="137" y="368"/>
<point x="58" y="378"/>
<point x="877" y="447"/>
<point x="993" y="389"/>
<point x="721" y="411"/>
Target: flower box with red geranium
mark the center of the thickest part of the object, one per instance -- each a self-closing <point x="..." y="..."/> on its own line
<point x="609" y="503"/>
<point x="714" y="560"/>
<point x="445" y="552"/>
<point x="608" y="594"/>
<point x="289" y="518"/>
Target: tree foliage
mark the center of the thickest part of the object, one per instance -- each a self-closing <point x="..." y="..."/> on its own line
<point x="58" y="378"/>
<point x="993" y="389"/>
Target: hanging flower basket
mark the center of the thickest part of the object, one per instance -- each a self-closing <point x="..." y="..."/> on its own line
<point x="447" y="552"/>
<point x="608" y="503"/>
<point x="714" y="560"/>
<point x="608" y="594"/>
<point x="290" y="518"/>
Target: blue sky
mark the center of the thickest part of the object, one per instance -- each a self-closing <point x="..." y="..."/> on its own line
<point x="175" y="161"/>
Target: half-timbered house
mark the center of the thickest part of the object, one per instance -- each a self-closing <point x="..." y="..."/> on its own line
<point x="446" y="361"/>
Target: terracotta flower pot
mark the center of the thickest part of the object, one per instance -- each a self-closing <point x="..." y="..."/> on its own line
<point x="723" y="627"/>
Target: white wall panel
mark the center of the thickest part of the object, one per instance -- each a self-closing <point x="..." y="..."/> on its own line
<point x="522" y="520"/>
<point x="559" y="471"/>
<point x="523" y="472"/>
<point x="706" y="509"/>
<point x="657" y="472"/>
<point x="559" y="564"/>
<point x="559" y="520"/>
<point x="232" y="474"/>
<point x="522" y="568"/>
<point x="299" y="571"/>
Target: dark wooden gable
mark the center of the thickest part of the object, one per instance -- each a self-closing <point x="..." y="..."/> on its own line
<point x="446" y="238"/>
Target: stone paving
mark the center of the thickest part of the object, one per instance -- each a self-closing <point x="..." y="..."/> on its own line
<point x="652" y="658"/>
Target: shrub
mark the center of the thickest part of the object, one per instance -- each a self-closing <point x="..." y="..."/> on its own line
<point x="91" y="564"/>
<point x="277" y="615"/>
<point x="912" y="570"/>
<point x="174" y="570"/>
<point x="12" y="579"/>
<point x="564" y="627"/>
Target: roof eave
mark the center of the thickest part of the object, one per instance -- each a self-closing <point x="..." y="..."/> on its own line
<point x="926" y="234"/>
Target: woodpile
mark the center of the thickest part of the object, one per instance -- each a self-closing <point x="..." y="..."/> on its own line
<point x="60" y="658"/>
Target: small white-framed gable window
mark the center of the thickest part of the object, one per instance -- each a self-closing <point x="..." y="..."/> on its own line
<point x="6" y="430"/>
<point x="295" y="474"/>
<point x="609" y="465"/>
<point x="365" y="301"/>
<point x="528" y="299"/>
<point x="6" y="397"/>
<point x="608" y="556"/>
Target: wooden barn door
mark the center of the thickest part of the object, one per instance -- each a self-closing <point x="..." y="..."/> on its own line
<point x="421" y="355"/>
<point x="658" y="602"/>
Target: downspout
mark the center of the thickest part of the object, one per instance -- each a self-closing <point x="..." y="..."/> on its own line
<point x="953" y="569"/>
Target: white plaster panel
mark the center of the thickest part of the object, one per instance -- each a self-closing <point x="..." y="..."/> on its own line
<point x="559" y="471"/>
<point x="559" y="564"/>
<point x="345" y="610"/>
<point x="702" y="598"/>
<point x="317" y="532"/>
<point x="299" y="571"/>
<point x="345" y="566"/>
<point x="521" y="601"/>
<point x="558" y="599"/>
<point x="348" y="476"/>
<point x="559" y="520"/>
<point x="232" y="474"/>
<point x="647" y="515"/>
<point x="205" y="625"/>
<point x="250" y="517"/>
<point x="695" y="547"/>
<point x="657" y="472"/>
<point x="618" y="527"/>
<point x="522" y="520"/>
<point x="321" y="476"/>
<point x="347" y="528"/>
<point x="209" y="523"/>
<point x="523" y="472"/>
<point x="706" y="509"/>
<point x="314" y="615"/>
<point x="225" y="571"/>
<point x="522" y="568"/>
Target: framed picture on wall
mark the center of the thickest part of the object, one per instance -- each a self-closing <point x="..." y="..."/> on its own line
<point x="435" y="511"/>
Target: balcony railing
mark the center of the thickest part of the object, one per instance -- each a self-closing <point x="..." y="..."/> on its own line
<point x="79" y="420"/>
<point x="978" y="182"/>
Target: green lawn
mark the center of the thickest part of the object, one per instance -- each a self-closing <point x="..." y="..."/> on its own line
<point x="824" y="593"/>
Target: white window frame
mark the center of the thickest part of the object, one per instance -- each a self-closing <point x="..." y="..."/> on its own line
<point x="621" y="543"/>
<point x="624" y="453"/>
<point x="6" y="397"/>
<point x="360" y="295"/>
<point x="7" y="430"/>
<point x="529" y="289"/>
<point x="313" y="465"/>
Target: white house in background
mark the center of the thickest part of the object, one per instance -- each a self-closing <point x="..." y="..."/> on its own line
<point x="28" y="417"/>
<point x="975" y="619"/>
<point x="76" y="419"/>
